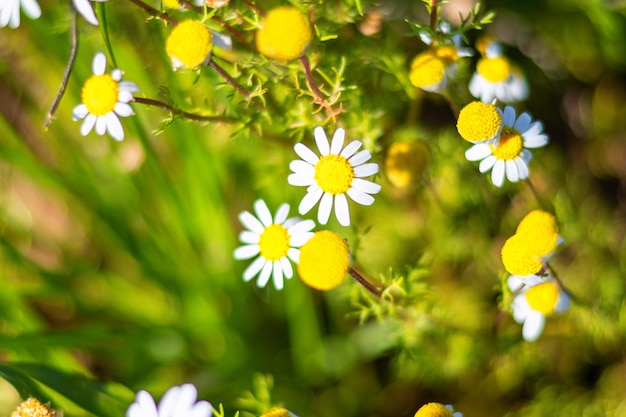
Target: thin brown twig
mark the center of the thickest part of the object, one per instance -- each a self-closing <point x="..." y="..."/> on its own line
<point x="254" y="7"/>
<point x="178" y="112"/>
<point x="232" y="82"/>
<point x="433" y="14"/>
<point x="67" y="73"/>
<point x="319" y="96"/>
<point x="154" y="12"/>
<point x="365" y="283"/>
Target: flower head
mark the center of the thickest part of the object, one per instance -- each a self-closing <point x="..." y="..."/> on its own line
<point x="509" y="155"/>
<point x="190" y="43"/>
<point x="104" y="98"/>
<point x="324" y="261"/>
<point x="284" y="35"/>
<point x="479" y="122"/>
<point x="496" y="77"/>
<point x="33" y="408"/>
<point x="10" y="11"/>
<point x="405" y="163"/>
<point x="274" y="240"/>
<point x="437" y="410"/>
<point x="329" y="177"/>
<point x="177" y="401"/>
<point x="535" y="298"/>
<point x="278" y="412"/>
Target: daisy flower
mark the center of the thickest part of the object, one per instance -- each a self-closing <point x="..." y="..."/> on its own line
<point x="509" y="155"/>
<point x="275" y="241"/>
<point x="10" y="11"/>
<point x="177" y="401"/>
<point x="33" y="407"/>
<point x="437" y="410"/>
<point x="84" y="8"/>
<point x="329" y="177"/>
<point x="535" y="298"/>
<point x="497" y="77"/>
<point x="105" y="97"/>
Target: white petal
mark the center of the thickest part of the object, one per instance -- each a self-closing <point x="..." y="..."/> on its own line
<point x="201" y="409"/>
<point x="478" y="152"/>
<point x="360" y="197"/>
<point x="326" y="205"/>
<point x="125" y="96"/>
<point x="262" y="212"/>
<point x="497" y="174"/>
<point x="143" y="406"/>
<point x="186" y="400"/>
<point x="294" y="255"/>
<point x="535" y="128"/>
<point x="31" y="8"/>
<point x="246" y="251"/>
<point x="79" y="112"/>
<point x="84" y="8"/>
<point x="309" y="200"/>
<point x="278" y="275"/>
<point x="562" y="303"/>
<point x="123" y="110"/>
<point x="300" y="180"/>
<point x="302" y="168"/>
<point x="508" y="116"/>
<point x="321" y="140"/>
<point x="265" y="275"/>
<point x="14" y="19"/>
<point x="250" y="222"/>
<point x="128" y="86"/>
<point x="523" y="122"/>
<point x="487" y="163"/>
<point x="533" y="326"/>
<point x="366" y="170"/>
<point x="306" y="154"/>
<point x="360" y="157"/>
<point x="366" y="186"/>
<point x="167" y="405"/>
<point x="337" y="142"/>
<point x="535" y="141"/>
<point x="249" y="237"/>
<point x="99" y="64"/>
<point x="511" y="171"/>
<point x="352" y="147"/>
<point x="522" y="168"/>
<point x="300" y="239"/>
<point x="254" y="268"/>
<point x="88" y="124"/>
<point x="114" y="126"/>
<point x="342" y="212"/>
<point x="301" y="227"/>
<point x="515" y="283"/>
<point x="117" y="74"/>
<point x="287" y="268"/>
<point x="281" y="214"/>
<point x="221" y="41"/>
<point x="101" y="125"/>
<point x="526" y="155"/>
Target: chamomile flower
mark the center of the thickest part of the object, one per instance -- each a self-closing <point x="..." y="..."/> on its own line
<point x="177" y="401"/>
<point x="32" y="407"/>
<point x="274" y="240"/>
<point x="329" y="177"/>
<point x="324" y="261"/>
<point x="509" y="155"/>
<point x="86" y="10"/>
<point x="190" y="43"/>
<point x="105" y="98"/>
<point x="406" y="162"/>
<point x="497" y="77"/>
<point x="10" y="11"/>
<point x="536" y="297"/>
<point x="284" y="34"/>
<point x="479" y="122"/>
<point x="437" y="410"/>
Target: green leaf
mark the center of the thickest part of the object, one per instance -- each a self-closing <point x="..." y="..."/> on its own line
<point x="26" y="386"/>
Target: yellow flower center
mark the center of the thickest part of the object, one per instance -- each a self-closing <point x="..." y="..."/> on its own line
<point x="543" y="297"/>
<point x="509" y="146"/>
<point x="518" y="258"/>
<point x="33" y="408"/>
<point x="276" y="412"/>
<point x="334" y="174"/>
<point x="479" y="122"/>
<point x="274" y="242"/>
<point x="189" y="43"/>
<point x="540" y="228"/>
<point x="324" y="261"/>
<point x="434" y="410"/>
<point x="170" y="4"/>
<point x="406" y="162"/>
<point x="447" y="53"/>
<point x="427" y="70"/>
<point x="494" y="70"/>
<point x="100" y="94"/>
<point x="284" y="34"/>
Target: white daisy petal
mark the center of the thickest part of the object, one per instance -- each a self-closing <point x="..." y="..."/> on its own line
<point x="535" y="141"/>
<point x="116" y="74"/>
<point x="522" y="123"/>
<point x="300" y="239"/>
<point x="366" y="170"/>
<point x="251" y="222"/>
<point x="478" y="152"/>
<point x="301" y="227"/>
<point x="306" y="154"/>
<point x="302" y="168"/>
<point x="125" y="96"/>
<point x="114" y="126"/>
<point x="265" y="275"/>
<point x="246" y="251"/>
<point x="337" y="142"/>
<point x="300" y="180"/>
<point x="254" y="268"/>
<point x="360" y="157"/>
<point x="326" y="205"/>
<point x="84" y="8"/>
<point x="88" y="124"/>
<point x="249" y="237"/>
<point x="497" y="173"/>
<point x="487" y="163"/>
<point x="366" y="186"/>
<point x="281" y="214"/>
<point x="79" y="112"/>
<point x="31" y="8"/>
<point x="562" y="303"/>
<point x="144" y="406"/>
<point x="535" y="128"/>
<point x="128" y="86"/>
<point x="522" y="168"/>
<point x="342" y="212"/>
<point x="169" y="402"/>
<point x="287" y="268"/>
<point x="360" y="197"/>
<point x="201" y="409"/>
<point x="508" y="116"/>
<point x="533" y="326"/>
<point x="526" y="155"/>
<point x="277" y="275"/>
<point x="186" y="399"/>
<point x="321" y="140"/>
<point x="309" y="200"/>
<point x="99" y="64"/>
<point x="511" y="171"/>
<point x="351" y="148"/>
<point x="262" y="212"/>
<point x="123" y="109"/>
<point x="294" y="254"/>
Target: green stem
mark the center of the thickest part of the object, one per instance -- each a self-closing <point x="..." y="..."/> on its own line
<point x="182" y="113"/>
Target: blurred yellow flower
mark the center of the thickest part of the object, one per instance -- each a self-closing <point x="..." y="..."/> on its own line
<point x="33" y="408"/>
<point x="324" y="261"/>
<point x="405" y="163"/>
<point x="284" y="34"/>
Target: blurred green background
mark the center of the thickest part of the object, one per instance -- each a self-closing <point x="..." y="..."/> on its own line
<point x="116" y="258"/>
